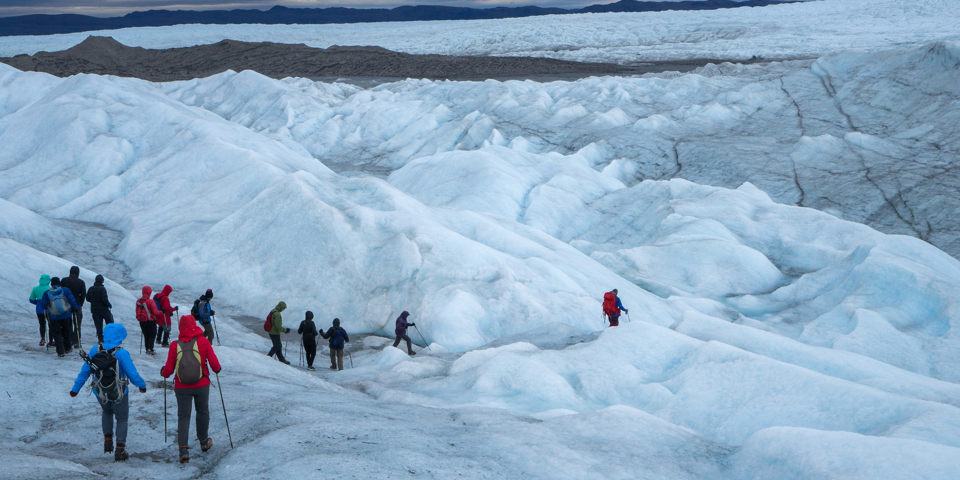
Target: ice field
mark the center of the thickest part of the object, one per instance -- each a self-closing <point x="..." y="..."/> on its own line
<point x="766" y="338"/>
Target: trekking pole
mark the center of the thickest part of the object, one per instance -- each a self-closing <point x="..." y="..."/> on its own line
<point x="224" y="409"/>
<point x="421" y="336"/>
<point x="76" y="328"/>
<point x="164" y="410"/>
<point x="215" y="332"/>
<point x="140" y="350"/>
<point x="301" y="352"/>
<point x="628" y="317"/>
<point x="351" y="359"/>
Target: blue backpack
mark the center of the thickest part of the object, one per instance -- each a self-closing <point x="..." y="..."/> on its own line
<point x="58" y="303"/>
<point x="338" y="338"/>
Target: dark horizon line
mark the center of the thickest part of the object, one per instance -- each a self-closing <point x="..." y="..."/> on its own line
<point x="48" y="24"/>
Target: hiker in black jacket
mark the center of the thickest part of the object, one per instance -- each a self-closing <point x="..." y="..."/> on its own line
<point x="79" y="290"/>
<point x="308" y="332"/>
<point x="338" y="339"/>
<point x="99" y="306"/>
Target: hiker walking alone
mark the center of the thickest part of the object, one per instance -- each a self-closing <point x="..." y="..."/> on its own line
<point x="612" y="307"/>
<point x="147" y="315"/>
<point x="79" y="290"/>
<point x="338" y="339"/>
<point x="401" y="332"/>
<point x="202" y="312"/>
<point x="276" y="328"/>
<point x="113" y="335"/>
<point x="189" y="357"/>
<point x="162" y="300"/>
<point x="99" y="306"/>
<point x="308" y="336"/>
<point x="35" y="295"/>
<point x="59" y="304"/>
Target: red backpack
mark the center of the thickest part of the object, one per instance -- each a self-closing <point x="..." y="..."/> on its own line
<point x="143" y="313"/>
<point x="610" y="304"/>
<point x="268" y="325"/>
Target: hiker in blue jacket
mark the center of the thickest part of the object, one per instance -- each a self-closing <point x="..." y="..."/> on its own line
<point x="59" y="304"/>
<point x="113" y="336"/>
<point x="338" y="338"/>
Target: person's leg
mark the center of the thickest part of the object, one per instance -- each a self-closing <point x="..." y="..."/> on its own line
<point x="409" y="343"/>
<point x="614" y="320"/>
<point x="397" y="340"/>
<point x="151" y="335"/>
<point x="106" y="421"/>
<point x="42" y="319"/>
<point x="56" y="335"/>
<point x="339" y="359"/>
<point x="208" y="332"/>
<point x="98" y="324"/>
<point x="166" y="336"/>
<point x="202" y="401"/>
<point x="121" y="410"/>
<point x="275" y="344"/>
<point x="143" y="330"/>
<point x="311" y="349"/>
<point x="333" y="359"/>
<point x="184" y="408"/>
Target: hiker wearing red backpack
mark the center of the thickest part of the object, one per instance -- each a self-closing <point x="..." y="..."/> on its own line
<point x="275" y="321"/>
<point x="162" y="300"/>
<point x="147" y="316"/>
<point x="189" y="357"/>
<point x="612" y="307"/>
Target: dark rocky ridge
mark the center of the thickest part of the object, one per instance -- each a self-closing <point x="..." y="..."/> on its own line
<point x="106" y="56"/>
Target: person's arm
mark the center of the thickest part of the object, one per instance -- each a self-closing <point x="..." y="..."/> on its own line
<point x="346" y="338"/>
<point x="152" y="308"/>
<point x="300" y="330"/>
<point x="167" y="369"/>
<point x="620" y="305"/>
<point x="33" y="300"/>
<point x="83" y="293"/>
<point x="84" y="374"/>
<point x="73" y="302"/>
<point x="126" y="363"/>
<point x="106" y="301"/>
<point x="325" y="335"/>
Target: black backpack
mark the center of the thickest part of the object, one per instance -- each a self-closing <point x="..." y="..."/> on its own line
<point x="338" y="338"/>
<point x="106" y="374"/>
<point x="195" y="311"/>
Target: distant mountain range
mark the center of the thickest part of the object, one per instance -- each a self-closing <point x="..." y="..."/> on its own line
<point x="68" y="23"/>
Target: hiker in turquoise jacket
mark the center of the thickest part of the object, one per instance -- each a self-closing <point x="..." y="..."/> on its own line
<point x="35" y="295"/>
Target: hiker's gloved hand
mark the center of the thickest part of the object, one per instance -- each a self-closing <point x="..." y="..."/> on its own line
<point x="288" y="330"/>
<point x="143" y="390"/>
<point x="625" y="310"/>
<point x="212" y="312"/>
<point x="177" y="308"/>
<point x="413" y="324"/>
<point x="73" y="394"/>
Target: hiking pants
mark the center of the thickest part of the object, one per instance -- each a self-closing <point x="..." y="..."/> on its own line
<point x="614" y="320"/>
<point x="42" y="318"/>
<point x="119" y="409"/>
<point x="149" y="330"/>
<point x="163" y="337"/>
<point x="277" y="347"/>
<point x="405" y="337"/>
<point x="99" y="318"/>
<point x="208" y="331"/>
<point x="60" y="333"/>
<point x="336" y="358"/>
<point x="310" y="346"/>
<point x="199" y="397"/>
<point x="77" y="319"/>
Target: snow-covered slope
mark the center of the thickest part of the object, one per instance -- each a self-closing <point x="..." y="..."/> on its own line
<point x="803" y="30"/>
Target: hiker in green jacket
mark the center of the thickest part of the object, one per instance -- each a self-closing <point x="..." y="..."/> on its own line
<point x="35" y="295"/>
<point x="276" y="329"/>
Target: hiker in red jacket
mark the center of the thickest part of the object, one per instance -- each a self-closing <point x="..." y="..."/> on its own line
<point x="147" y="316"/>
<point x="189" y="357"/>
<point x="612" y="307"/>
<point x="162" y="300"/>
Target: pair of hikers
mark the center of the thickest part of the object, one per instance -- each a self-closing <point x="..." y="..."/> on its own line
<point x="113" y="369"/>
<point x="308" y="337"/>
<point x="64" y="315"/>
<point x="612" y="307"/>
<point x="154" y="317"/>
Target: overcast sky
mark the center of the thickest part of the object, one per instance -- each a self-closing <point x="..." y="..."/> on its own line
<point x="108" y="8"/>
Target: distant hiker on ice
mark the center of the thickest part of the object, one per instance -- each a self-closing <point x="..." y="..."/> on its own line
<point x="147" y="315"/>
<point x="276" y="329"/>
<point x="338" y="339"/>
<point x="401" y="332"/>
<point x="99" y="306"/>
<point x="162" y="300"/>
<point x="35" y="295"/>
<point x="59" y="304"/>
<point x="112" y="370"/>
<point x="308" y="337"/>
<point x="202" y="312"/>
<point x="79" y="290"/>
<point x="189" y="357"/>
<point x="612" y="307"/>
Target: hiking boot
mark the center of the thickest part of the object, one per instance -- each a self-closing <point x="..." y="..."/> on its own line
<point x="284" y="362"/>
<point x="68" y="351"/>
<point x="165" y="345"/>
<point x="120" y="454"/>
<point x="333" y="367"/>
<point x="107" y="444"/>
<point x="42" y="343"/>
<point x="311" y="368"/>
<point x="151" y="352"/>
<point x="206" y="444"/>
<point x="184" y="454"/>
<point x="411" y="353"/>
<point x="61" y="355"/>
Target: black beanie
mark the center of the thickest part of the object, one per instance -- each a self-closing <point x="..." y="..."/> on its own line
<point x="309" y="315"/>
<point x="209" y="293"/>
<point x="74" y="270"/>
<point x="336" y="322"/>
<point x="98" y="280"/>
<point x="55" y="281"/>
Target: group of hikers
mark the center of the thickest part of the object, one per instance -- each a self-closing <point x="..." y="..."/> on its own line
<point x="189" y="358"/>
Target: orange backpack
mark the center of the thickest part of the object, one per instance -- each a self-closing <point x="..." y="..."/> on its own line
<point x="610" y="304"/>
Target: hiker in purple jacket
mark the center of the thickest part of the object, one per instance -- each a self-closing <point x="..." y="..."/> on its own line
<point x="401" y="332"/>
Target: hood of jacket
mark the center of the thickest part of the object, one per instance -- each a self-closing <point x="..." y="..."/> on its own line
<point x="98" y="280"/>
<point x="166" y="290"/>
<point x="146" y="291"/>
<point x="189" y="329"/>
<point x="44" y="281"/>
<point x="280" y="306"/>
<point x="113" y="335"/>
<point x="42" y="287"/>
